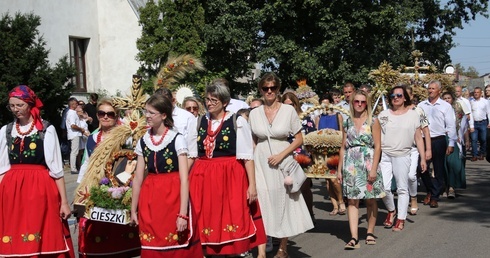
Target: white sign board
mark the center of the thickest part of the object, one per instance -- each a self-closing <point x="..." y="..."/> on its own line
<point x="112" y="216"/>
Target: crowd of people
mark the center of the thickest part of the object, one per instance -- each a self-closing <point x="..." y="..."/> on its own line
<point x="225" y="179"/>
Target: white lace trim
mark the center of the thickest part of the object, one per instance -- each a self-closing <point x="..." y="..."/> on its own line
<point x="182" y="151"/>
<point x="166" y="141"/>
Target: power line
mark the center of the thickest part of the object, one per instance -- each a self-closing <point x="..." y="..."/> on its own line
<point x="456" y="37"/>
<point x="473" y="46"/>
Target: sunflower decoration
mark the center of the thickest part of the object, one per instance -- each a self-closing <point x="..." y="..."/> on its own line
<point x="177" y="68"/>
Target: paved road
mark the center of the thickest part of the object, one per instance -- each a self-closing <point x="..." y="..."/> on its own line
<point x="458" y="228"/>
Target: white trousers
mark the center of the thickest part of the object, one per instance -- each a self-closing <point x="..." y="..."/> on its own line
<point x="75" y="143"/>
<point x="412" y="176"/>
<point x="398" y="167"/>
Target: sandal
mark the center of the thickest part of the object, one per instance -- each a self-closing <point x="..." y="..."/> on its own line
<point x="352" y="244"/>
<point x="400" y="224"/>
<point x="334" y="212"/>
<point x="372" y="240"/>
<point x="413" y="211"/>
<point x="281" y="254"/>
<point x="390" y="219"/>
<point x="342" y="209"/>
<point x="413" y="206"/>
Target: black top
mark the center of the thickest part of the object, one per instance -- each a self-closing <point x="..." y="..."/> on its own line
<point x="92" y="112"/>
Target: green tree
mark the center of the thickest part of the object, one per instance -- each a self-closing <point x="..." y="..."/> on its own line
<point x="168" y="28"/>
<point x="470" y="72"/>
<point x="231" y="34"/>
<point x="25" y="61"/>
<point x="337" y="41"/>
<point x="327" y="42"/>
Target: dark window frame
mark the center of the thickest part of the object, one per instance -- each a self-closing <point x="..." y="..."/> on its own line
<point x="78" y="50"/>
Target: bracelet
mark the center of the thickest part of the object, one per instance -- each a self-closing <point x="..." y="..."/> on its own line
<point x="182" y="216"/>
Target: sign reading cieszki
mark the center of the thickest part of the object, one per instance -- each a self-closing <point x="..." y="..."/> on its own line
<point x="113" y="216"/>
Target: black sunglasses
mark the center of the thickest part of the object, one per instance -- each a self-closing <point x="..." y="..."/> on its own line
<point x="273" y="88"/>
<point x="110" y="114"/>
<point x="398" y="95"/>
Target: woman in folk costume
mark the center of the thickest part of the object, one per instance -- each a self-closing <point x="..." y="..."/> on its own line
<point x="160" y="202"/>
<point x="96" y="238"/>
<point x="222" y="181"/>
<point x="33" y="203"/>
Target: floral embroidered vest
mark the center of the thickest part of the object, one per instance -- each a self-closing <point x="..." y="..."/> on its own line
<point x="167" y="159"/>
<point x="33" y="152"/>
<point x="225" y="140"/>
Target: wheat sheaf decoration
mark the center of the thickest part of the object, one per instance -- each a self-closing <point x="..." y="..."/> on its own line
<point x="129" y="132"/>
<point x="177" y="68"/>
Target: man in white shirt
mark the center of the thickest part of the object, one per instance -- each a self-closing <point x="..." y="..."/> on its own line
<point x="348" y="90"/>
<point x="466" y="106"/>
<point x="74" y="132"/>
<point x="441" y="121"/>
<point x="480" y="110"/>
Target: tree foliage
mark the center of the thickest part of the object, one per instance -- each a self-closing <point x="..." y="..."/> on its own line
<point x="326" y="42"/>
<point x="24" y="61"/>
<point x="470" y="71"/>
<point x="168" y="28"/>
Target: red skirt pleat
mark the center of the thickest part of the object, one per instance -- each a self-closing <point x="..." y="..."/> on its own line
<point x="227" y="224"/>
<point x="158" y="206"/>
<point x="30" y="223"/>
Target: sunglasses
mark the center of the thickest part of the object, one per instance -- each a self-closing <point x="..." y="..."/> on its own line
<point x="360" y="102"/>
<point x="110" y="114"/>
<point x="398" y="95"/>
<point x="192" y="109"/>
<point x="273" y="88"/>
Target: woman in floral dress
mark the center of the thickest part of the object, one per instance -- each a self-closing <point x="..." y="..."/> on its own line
<point x="358" y="171"/>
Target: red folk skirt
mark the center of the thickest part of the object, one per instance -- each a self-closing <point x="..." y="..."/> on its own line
<point x="110" y="240"/>
<point x="158" y="206"/>
<point x="227" y="223"/>
<point x="30" y="223"/>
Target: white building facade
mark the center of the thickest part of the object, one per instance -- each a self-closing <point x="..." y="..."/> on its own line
<point x="98" y="36"/>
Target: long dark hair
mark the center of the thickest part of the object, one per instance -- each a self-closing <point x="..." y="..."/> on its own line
<point x="163" y="105"/>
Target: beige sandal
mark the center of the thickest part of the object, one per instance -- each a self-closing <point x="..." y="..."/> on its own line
<point x="281" y="254"/>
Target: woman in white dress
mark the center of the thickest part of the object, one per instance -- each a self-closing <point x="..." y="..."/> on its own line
<point x="284" y="213"/>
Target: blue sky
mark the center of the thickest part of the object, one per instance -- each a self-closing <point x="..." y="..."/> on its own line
<point x="473" y="45"/>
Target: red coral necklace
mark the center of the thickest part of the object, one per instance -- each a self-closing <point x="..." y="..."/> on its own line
<point x="156" y="144"/>
<point x="17" y="127"/>
<point x="99" y="138"/>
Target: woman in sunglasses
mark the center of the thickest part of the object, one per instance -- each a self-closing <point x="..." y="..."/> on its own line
<point x="400" y="127"/>
<point x="358" y="171"/>
<point x="33" y="201"/>
<point x="113" y="235"/>
<point x="285" y="214"/>
<point x="192" y="105"/>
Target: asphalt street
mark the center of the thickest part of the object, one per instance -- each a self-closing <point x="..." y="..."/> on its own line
<point x="458" y="228"/>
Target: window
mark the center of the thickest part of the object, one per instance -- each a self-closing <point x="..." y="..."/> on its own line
<point x="78" y="47"/>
